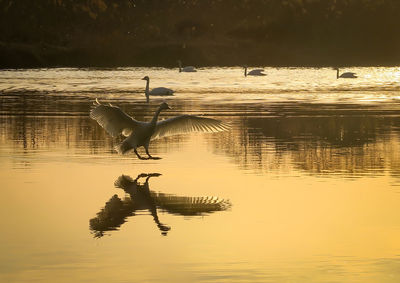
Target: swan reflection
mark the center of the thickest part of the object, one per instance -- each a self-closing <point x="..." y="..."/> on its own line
<point x="139" y="197"/>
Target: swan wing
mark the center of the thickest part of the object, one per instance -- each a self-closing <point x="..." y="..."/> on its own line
<point x="187" y="123"/>
<point x="113" y="119"/>
<point x="161" y="91"/>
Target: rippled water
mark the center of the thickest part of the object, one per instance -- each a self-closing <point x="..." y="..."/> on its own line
<point x="303" y="188"/>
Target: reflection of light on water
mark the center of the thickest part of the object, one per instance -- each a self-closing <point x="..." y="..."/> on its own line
<point x="280" y="84"/>
<point x="310" y="165"/>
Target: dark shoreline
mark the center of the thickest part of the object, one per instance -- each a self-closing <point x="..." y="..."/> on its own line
<point x="111" y="33"/>
<point x="22" y="56"/>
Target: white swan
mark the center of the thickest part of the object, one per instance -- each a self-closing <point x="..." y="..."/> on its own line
<point x="158" y="91"/>
<point x="255" y="72"/>
<point x="187" y="69"/>
<point x="347" y="75"/>
<point x="139" y="133"/>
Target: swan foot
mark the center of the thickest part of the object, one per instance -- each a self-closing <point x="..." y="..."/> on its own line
<point x="151" y="157"/>
<point x="140" y="157"/>
<point x="154" y="157"/>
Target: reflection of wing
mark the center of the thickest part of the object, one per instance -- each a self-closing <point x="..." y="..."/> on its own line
<point x="189" y="205"/>
<point x="186" y="124"/>
<point x="140" y="198"/>
<point x="124" y="182"/>
<point x="113" y="119"/>
<point x="112" y="216"/>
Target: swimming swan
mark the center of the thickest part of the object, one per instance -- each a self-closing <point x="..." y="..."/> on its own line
<point x="347" y="75"/>
<point x="255" y="72"/>
<point x="187" y="69"/>
<point x="158" y="91"/>
<point x="138" y="133"/>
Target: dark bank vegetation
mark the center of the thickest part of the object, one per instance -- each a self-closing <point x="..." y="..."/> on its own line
<point x="201" y="32"/>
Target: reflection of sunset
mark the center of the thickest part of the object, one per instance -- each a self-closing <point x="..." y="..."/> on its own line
<point x="347" y="144"/>
<point x="339" y="146"/>
<point x="312" y="189"/>
<point x="200" y="141"/>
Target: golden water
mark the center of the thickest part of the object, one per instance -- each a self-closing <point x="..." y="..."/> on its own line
<point x="303" y="188"/>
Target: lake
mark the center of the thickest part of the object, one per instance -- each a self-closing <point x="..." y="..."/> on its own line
<point x="304" y="187"/>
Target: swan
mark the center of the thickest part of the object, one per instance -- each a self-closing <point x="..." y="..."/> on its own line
<point x="158" y="91"/>
<point x="187" y="69"/>
<point x="255" y="72"/>
<point x="139" y="133"/>
<point x="347" y="75"/>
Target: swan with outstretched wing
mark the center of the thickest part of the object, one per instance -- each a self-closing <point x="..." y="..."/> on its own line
<point x="139" y="133"/>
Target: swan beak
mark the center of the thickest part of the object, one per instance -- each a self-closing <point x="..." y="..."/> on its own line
<point x="169" y="107"/>
<point x="143" y="78"/>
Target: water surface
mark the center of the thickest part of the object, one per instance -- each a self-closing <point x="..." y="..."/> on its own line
<point x="303" y="188"/>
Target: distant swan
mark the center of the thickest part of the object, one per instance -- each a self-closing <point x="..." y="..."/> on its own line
<point x="187" y="69"/>
<point x="138" y="133"/>
<point x="347" y="75"/>
<point x="158" y="91"/>
<point x="255" y="72"/>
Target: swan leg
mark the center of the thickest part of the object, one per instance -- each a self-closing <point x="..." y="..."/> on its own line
<point x="140" y="157"/>
<point x="148" y="153"/>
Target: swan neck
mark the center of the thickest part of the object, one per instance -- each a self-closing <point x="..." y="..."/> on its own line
<point x="245" y="71"/>
<point x="180" y="66"/>
<point x="155" y="118"/>
<point x="146" y="91"/>
<point x="337" y="73"/>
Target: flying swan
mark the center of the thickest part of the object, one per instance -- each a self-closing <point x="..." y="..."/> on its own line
<point x="255" y="72"/>
<point x="187" y="69"/>
<point x="139" y="133"/>
<point x="158" y="91"/>
<point x="347" y="75"/>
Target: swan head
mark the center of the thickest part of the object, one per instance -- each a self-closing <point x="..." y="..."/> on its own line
<point x="146" y="78"/>
<point x="164" y="106"/>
